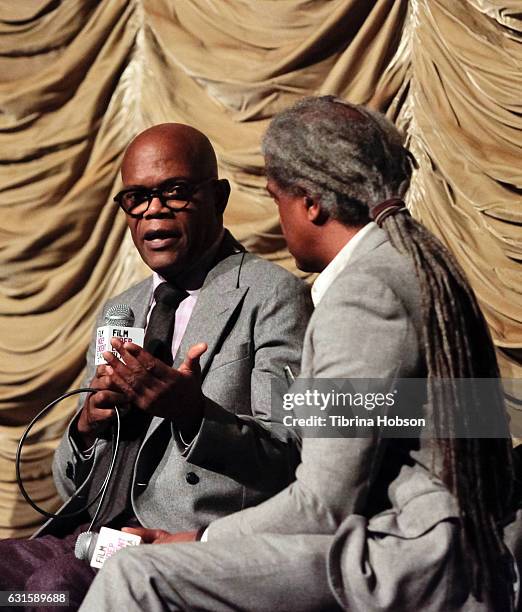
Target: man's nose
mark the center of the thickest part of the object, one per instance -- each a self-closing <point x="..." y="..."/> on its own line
<point x="156" y="207"/>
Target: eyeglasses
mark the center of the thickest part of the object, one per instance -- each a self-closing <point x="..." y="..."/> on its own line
<point x="135" y="201"/>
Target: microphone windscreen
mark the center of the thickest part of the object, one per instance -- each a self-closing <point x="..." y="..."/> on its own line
<point x="85" y="545"/>
<point x="120" y="315"/>
<point x="96" y="548"/>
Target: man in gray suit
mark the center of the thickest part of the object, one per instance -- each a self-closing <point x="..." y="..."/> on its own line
<point x="197" y="439"/>
<point x="332" y="167"/>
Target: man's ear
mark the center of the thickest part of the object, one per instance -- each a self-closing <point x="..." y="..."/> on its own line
<point x="315" y="212"/>
<point x="222" y="194"/>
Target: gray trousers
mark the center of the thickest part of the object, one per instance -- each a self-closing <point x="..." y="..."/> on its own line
<point x="369" y="571"/>
<point x="265" y="573"/>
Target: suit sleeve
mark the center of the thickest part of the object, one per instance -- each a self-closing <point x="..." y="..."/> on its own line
<point x="70" y="466"/>
<point x="255" y="450"/>
<point x="359" y="330"/>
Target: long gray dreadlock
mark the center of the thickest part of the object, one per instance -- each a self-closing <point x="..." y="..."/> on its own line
<point x="351" y="159"/>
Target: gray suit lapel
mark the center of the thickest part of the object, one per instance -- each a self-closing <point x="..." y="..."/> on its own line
<point x="217" y="302"/>
<point x="218" y="299"/>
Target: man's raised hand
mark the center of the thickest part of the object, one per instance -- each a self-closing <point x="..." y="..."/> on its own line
<point x="156" y="388"/>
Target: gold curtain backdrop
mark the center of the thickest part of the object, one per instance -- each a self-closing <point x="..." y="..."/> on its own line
<point x="79" y="78"/>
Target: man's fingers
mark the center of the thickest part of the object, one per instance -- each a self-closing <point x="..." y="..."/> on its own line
<point x="135" y="359"/>
<point x="147" y="535"/>
<point x="127" y="354"/>
<point x="99" y="415"/>
<point x="140" y="531"/>
<point x="129" y="377"/>
<point x="159" y="536"/>
<point x="129" y="347"/>
<point x="191" y="363"/>
<point x="106" y="399"/>
<point x="103" y="370"/>
<point x="104" y="383"/>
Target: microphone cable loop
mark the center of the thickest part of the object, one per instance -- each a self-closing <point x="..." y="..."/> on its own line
<point x="103" y="489"/>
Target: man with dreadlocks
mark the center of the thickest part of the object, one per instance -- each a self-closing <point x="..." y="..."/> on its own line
<point x="370" y="523"/>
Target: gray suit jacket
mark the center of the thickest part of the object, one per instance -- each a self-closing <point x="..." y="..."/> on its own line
<point x="366" y="326"/>
<point x="397" y="543"/>
<point x="252" y="314"/>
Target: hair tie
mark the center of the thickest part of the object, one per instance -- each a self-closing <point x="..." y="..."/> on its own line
<point x="387" y="208"/>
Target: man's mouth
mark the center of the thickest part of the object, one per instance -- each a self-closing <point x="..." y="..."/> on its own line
<point x="159" y="239"/>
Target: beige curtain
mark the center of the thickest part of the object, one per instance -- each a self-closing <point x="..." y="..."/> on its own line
<point x="79" y="78"/>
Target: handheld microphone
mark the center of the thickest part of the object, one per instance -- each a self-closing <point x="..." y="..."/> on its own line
<point x="96" y="548"/>
<point x="89" y="545"/>
<point x="119" y="320"/>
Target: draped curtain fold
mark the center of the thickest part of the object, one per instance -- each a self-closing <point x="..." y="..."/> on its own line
<point x="78" y="79"/>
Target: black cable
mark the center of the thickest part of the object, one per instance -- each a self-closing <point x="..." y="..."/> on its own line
<point x="115" y="446"/>
<point x="103" y="488"/>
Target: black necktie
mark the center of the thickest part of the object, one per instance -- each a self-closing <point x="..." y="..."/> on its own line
<point x="158" y="337"/>
<point x="158" y="342"/>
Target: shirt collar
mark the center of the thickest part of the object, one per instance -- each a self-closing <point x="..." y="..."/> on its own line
<point x="339" y="263"/>
<point x="157" y="280"/>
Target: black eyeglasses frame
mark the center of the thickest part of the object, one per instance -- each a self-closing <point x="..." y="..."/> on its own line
<point x="158" y="192"/>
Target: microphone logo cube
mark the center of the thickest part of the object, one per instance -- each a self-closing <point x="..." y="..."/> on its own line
<point x="110" y="541"/>
<point x="126" y="334"/>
